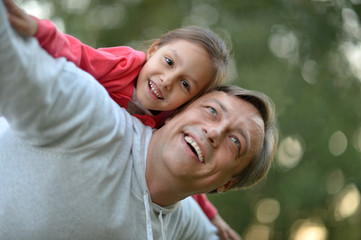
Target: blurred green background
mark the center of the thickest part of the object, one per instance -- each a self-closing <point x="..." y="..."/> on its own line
<point x="306" y="55"/>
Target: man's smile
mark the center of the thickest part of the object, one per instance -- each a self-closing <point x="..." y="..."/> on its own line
<point x="195" y="148"/>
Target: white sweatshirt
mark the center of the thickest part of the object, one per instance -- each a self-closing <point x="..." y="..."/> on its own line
<point x="72" y="163"/>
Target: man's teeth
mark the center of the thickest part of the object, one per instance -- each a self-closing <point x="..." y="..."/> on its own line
<point x="196" y="147"/>
<point x="154" y="90"/>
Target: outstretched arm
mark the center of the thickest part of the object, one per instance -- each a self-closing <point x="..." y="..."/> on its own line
<point x="103" y="64"/>
<point x="47" y="100"/>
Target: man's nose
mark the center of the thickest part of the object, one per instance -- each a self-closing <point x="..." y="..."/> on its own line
<point x="214" y="134"/>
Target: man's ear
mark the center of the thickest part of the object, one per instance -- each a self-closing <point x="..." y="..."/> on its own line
<point x="226" y="186"/>
<point x="152" y="49"/>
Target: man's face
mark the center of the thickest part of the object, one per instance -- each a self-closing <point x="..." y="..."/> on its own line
<point x="210" y="141"/>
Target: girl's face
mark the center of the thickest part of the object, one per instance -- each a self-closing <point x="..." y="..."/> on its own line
<point x="173" y="75"/>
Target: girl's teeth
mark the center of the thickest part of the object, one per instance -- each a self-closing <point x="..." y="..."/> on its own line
<point x="155" y="91"/>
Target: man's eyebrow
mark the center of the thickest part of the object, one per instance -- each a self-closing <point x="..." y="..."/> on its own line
<point x="219" y="103"/>
<point x="247" y="138"/>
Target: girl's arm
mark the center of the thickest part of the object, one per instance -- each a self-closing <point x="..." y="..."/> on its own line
<point x="49" y="101"/>
<point x="206" y="205"/>
<point x="104" y="64"/>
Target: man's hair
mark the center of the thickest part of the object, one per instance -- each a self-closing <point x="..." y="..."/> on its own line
<point x="211" y="42"/>
<point x="259" y="165"/>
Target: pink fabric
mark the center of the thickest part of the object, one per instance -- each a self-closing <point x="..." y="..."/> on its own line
<point x="206" y="205"/>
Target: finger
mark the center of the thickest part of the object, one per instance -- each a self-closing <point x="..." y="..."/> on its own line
<point x="234" y="235"/>
<point x="13" y="8"/>
<point x="15" y="22"/>
<point x="9" y="5"/>
<point x="223" y="235"/>
<point x="19" y="25"/>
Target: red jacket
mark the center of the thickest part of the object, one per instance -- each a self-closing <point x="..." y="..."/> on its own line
<point x="116" y="68"/>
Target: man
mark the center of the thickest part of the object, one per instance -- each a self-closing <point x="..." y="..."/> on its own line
<point x="74" y="165"/>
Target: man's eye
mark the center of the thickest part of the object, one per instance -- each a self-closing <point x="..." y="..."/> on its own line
<point x="169" y="61"/>
<point x="185" y="84"/>
<point x="212" y="110"/>
<point x="237" y="142"/>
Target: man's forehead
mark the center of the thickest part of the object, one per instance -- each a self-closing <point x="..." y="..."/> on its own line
<point x="223" y="99"/>
<point x="215" y="95"/>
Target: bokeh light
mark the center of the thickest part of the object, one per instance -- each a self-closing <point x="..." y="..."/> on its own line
<point x="352" y="52"/>
<point x="337" y="143"/>
<point x="40" y="10"/>
<point x="356" y="139"/>
<point x="106" y="16"/>
<point x="283" y="43"/>
<point x="335" y="181"/>
<point x="202" y="15"/>
<point x="267" y="210"/>
<point x="258" y="232"/>
<point x="77" y="7"/>
<point x="350" y="22"/>
<point x="347" y="202"/>
<point x="290" y="152"/>
<point x="310" y="71"/>
<point x="308" y="229"/>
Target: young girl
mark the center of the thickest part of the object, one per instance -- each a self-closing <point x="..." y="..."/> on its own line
<point x="178" y="67"/>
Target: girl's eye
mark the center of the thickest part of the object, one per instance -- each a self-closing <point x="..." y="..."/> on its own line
<point x="185" y="84"/>
<point x="237" y="142"/>
<point x="169" y="61"/>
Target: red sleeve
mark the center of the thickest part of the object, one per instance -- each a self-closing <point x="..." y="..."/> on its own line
<point x="116" y="68"/>
<point x="206" y="205"/>
<point x="155" y="121"/>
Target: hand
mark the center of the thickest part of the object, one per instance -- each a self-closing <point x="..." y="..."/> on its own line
<point x="225" y="231"/>
<point x="22" y="22"/>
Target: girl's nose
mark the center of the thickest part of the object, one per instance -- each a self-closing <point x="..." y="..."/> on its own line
<point x="166" y="80"/>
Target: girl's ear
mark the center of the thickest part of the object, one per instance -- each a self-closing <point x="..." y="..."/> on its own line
<point x="152" y="49"/>
<point x="226" y="186"/>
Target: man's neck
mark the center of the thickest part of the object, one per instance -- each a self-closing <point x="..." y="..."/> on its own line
<point x="161" y="193"/>
<point x="163" y="188"/>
